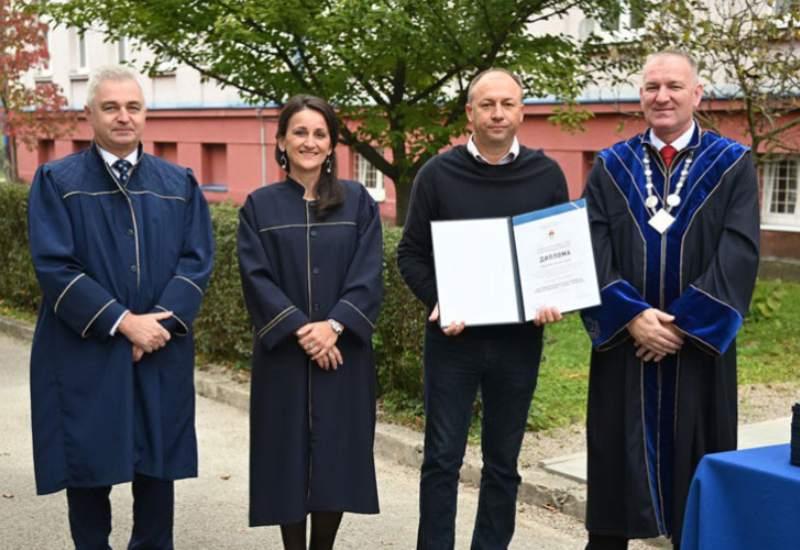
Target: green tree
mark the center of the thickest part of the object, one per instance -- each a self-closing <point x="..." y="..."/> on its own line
<point x="748" y="57"/>
<point x="397" y="70"/>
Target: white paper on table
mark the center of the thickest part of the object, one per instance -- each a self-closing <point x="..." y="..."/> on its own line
<point x="555" y="259"/>
<point x="475" y="272"/>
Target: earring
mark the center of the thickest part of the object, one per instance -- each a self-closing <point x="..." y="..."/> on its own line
<point x="328" y="165"/>
<point x="283" y="160"/>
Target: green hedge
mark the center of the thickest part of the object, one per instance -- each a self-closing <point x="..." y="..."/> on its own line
<point x="398" y="339"/>
<point x="18" y="286"/>
<point x="222" y="330"/>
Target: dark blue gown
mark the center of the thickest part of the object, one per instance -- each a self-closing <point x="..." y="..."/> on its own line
<point x="99" y="248"/>
<point x="649" y="424"/>
<point x="311" y="431"/>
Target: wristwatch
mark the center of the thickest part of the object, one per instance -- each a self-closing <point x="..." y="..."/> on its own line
<point x="337" y="327"/>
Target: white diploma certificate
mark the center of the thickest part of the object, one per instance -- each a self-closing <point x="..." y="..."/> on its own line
<point x="502" y="270"/>
<point x="556" y="260"/>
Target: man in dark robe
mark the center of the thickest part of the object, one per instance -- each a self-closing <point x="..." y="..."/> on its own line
<point x="675" y="225"/>
<point x="122" y="246"/>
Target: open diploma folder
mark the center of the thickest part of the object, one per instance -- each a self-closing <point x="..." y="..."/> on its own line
<point x="501" y="270"/>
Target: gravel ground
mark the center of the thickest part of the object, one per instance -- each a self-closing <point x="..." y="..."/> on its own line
<point x="757" y="402"/>
<point x="211" y="511"/>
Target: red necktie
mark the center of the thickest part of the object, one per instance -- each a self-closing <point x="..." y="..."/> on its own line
<point x="668" y="153"/>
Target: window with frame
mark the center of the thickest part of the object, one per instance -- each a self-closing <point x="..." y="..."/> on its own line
<point x="370" y="177"/>
<point x="781" y="200"/>
<point x="122" y="50"/>
<point x="622" y="25"/>
<point x="83" y="61"/>
<point x="78" y="52"/>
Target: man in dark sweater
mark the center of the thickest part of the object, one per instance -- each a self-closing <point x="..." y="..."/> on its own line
<point x="491" y="176"/>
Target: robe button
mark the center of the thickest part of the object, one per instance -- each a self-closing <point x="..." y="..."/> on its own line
<point x="133" y="267"/>
<point x="315" y="271"/>
<point x="313" y="232"/>
<point x="130" y="231"/>
<point x="316" y="307"/>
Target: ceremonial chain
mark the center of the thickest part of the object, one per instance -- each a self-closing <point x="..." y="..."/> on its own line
<point x="674" y="198"/>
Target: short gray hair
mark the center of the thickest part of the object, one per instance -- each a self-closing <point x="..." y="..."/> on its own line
<point x="514" y="76"/>
<point x="108" y="72"/>
<point x="675" y="53"/>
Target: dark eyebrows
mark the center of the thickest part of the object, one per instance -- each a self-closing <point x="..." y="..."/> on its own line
<point x="305" y="129"/>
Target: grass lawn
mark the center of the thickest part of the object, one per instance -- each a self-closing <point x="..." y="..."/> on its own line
<point x="768" y="352"/>
<point x="16" y="313"/>
<point x="768" y="347"/>
<point x="560" y="397"/>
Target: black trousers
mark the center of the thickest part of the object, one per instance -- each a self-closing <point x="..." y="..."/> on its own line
<point x="505" y="373"/>
<point x="605" y="542"/>
<point x="153" y="512"/>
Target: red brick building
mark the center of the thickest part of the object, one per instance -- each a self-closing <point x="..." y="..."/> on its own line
<point x="231" y="151"/>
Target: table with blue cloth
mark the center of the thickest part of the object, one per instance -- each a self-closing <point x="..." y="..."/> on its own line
<point x="744" y="500"/>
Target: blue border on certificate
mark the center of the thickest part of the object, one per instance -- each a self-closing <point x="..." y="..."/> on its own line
<point x="546" y="212"/>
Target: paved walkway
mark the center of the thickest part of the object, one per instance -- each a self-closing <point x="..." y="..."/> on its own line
<point x="760" y="434"/>
<point x="211" y="511"/>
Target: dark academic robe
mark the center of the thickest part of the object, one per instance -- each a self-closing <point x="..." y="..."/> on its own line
<point x="311" y="430"/>
<point x="650" y="423"/>
<point x="100" y="248"/>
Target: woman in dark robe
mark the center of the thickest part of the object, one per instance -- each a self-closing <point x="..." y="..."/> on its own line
<point x="310" y="255"/>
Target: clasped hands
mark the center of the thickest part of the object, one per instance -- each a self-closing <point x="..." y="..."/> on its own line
<point x="318" y="340"/>
<point x="145" y="332"/>
<point x="655" y="335"/>
<point x="544" y="316"/>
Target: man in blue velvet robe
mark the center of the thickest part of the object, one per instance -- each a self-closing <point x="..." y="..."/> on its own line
<point x="675" y="225"/>
<point x="122" y="247"/>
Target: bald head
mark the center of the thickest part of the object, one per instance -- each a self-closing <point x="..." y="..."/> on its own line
<point x="493" y="72"/>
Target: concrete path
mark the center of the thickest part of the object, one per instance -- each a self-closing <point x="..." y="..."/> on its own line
<point x="760" y="434"/>
<point x="211" y="511"/>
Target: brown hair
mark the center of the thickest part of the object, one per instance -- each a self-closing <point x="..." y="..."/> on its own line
<point x="329" y="189"/>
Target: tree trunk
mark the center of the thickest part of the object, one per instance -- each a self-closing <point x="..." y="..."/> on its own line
<point x="12" y="171"/>
<point x="402" y="188"/>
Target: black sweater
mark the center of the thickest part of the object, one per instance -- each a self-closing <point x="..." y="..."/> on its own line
<point x="455" y="186"/>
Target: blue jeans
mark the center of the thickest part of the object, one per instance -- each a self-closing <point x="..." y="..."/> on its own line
<point x="153" y="510"/>
<point x="505" y="371"/>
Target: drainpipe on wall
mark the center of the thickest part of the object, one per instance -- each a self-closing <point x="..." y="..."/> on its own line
<point x="263" y="144"/>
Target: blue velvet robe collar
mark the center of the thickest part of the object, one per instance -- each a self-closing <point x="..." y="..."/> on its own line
<point x="712" y="156"/>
